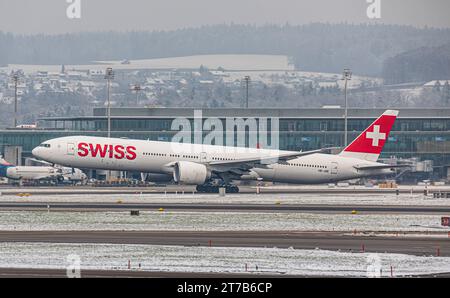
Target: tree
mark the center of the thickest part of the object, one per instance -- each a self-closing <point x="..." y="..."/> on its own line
<point x="446" y="93"/>
<point x="437" y="86"/>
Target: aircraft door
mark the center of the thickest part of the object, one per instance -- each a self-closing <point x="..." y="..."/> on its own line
<point x="70" y="148"/>
<point x="334" y="168"/>
<point x="203" y="157"/>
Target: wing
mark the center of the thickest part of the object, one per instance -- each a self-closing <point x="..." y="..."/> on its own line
<point x="234" y="169"/>
<point x="239" y="167"/>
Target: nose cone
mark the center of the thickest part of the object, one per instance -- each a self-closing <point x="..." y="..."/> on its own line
<point x="36" y="152"/>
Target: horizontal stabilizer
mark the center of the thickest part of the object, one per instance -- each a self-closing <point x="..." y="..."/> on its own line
<point x="379" y="167"/>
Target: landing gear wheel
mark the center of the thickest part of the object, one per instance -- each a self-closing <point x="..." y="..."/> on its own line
<point x="231" y="189"/>
<point x="208" y="188"/>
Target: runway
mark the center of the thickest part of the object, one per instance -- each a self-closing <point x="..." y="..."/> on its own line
<point x="336" y="241"/>
<point x="61" y="273"/>
<point x="93" y="206"/>
<point x="301" y="226"/>
<point x="243" y="189"/>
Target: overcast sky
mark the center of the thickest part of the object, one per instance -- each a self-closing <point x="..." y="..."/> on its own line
<point x="49" y="16"/>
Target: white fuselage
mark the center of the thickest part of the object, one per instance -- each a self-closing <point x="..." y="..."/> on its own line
<point x="159" y="157"/>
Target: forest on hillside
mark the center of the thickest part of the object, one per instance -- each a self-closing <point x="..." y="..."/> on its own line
<point x="418" y="65"/>
<point x="313" y="47"/>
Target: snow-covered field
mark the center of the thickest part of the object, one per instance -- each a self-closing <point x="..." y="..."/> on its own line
<point x="217" y="259"/>
<point x="292" y="77"/>
<point x="262" y="68"/>
<point x="229" y="62"/>
<point x="292" y="198"/>
<point x="215" y="221"/>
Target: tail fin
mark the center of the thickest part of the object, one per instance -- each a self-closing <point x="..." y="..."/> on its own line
<point x="369" y="144"/>
<point x="4" y="162"/>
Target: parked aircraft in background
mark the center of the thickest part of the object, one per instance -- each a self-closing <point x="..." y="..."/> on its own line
<point x="68" y="175"/>
<point x="11" y="171"/>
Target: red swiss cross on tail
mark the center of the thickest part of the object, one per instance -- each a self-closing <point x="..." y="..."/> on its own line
<point x="369" y="143"/>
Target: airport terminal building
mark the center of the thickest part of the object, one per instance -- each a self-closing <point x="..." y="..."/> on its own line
<point x="418" y="133"/>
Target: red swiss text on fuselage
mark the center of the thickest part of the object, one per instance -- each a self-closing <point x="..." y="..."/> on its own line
<point x="106" y="151"/>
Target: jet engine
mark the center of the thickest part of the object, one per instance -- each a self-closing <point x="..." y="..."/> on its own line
<point x="186" y="172"/>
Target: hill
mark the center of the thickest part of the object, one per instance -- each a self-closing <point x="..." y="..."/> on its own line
<point x="314" y="47"/>
<point x="420" y="65"/>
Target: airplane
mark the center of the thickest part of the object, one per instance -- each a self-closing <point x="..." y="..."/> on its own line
<point x="68" y="175"/>
<point x="212" y="166"/>
<point x="13" y="172"/>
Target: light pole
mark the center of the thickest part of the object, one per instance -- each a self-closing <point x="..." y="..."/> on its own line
<point x="247" y="82"/>
<point x="346" y="76"/>
<point x="109" y="75"/>
<point x="15" y="78"/>
<point x="137" y="88"/>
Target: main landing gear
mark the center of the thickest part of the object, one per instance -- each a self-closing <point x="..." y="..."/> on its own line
<point x="211" y="188"/>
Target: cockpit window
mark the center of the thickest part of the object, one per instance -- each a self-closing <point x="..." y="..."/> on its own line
<point x="44" y="145"/>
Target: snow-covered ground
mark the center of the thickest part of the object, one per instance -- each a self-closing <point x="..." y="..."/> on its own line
<point x="229" y="62"/>
<point x="217" y="259"/>
<point x="287" y="198"/>
<point x="215" y="221"/>
<point x="292" y="77"/>
<point x="268" y="69"/>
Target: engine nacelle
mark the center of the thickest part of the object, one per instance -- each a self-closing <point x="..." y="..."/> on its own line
<point x="12" y="173"/>
<point x="186" y="172"/>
